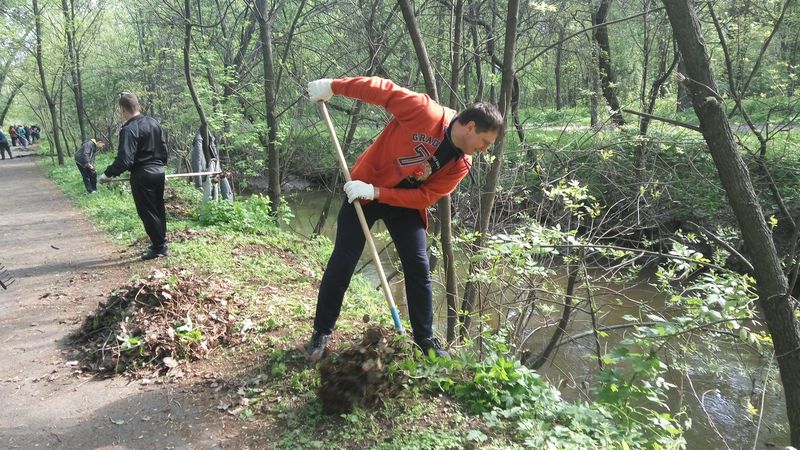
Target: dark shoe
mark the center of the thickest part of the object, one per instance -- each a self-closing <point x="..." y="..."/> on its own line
<point x="153" y="254"/>
<point x="432" y="344"/>
<point x="315" y="349"/>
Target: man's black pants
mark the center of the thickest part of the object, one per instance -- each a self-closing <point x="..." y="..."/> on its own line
<point x="89" y="178"/>
<point x="408" y="233"/>
<point x="147" y="186"/>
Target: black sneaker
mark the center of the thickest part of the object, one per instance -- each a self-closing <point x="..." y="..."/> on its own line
<point x="153" y="254"/>
<point x="432" y="344"/>
<point x="315" y="349"/>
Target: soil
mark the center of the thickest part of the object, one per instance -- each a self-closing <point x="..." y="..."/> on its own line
<point x="63" y="267"/>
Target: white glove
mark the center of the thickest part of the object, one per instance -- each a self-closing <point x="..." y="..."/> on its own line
<point x="359" y="190"/>
<point x="103" y="179"/>
<point x="320" y="90"/>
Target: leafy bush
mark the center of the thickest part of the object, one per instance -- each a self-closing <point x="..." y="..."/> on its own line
<point x="514" y="400"/>
<point x="253" y="215"/>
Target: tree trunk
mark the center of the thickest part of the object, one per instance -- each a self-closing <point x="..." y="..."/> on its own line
<point x="187" y="73"/>
<point x="594" y="86"/>
<point x="794" y="52"/>
<point x="607" y="78"/>
<point x="235" y="63"/>
<point x="273" y="161"/>
<point x="559" y="57"/>
<point x="561" y="328"/>
<point x="51" y="104"/>
<point x="14" y="91"/>
<point x="646" y="49"/>
<point x="774" y="301"/>
<point x="445" y="207"/>
<point x="648" y="106"/>
<point x="74" y="64"/>
<point x="493" y="176"/>
<point x="429" y="77"/>
<point x="419" y="47"/>
<point x="683" y="100"/>
<point x="476" y="56"/>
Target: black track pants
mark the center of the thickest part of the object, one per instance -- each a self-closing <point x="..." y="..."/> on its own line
<point x="89" y="178"/>
<point x="408" y="233"/>
<point x="147" y="186"/>
<point x="4" y="147"/>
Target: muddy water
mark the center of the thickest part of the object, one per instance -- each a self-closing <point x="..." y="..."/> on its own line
<point x="716" y="399"/>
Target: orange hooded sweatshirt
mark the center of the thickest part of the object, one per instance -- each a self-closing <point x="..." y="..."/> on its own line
<point x="407" y="142"/>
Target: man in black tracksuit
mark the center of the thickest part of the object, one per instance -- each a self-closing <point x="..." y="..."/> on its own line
<point x="143" y="151"/>
<point x="84" y="159"/>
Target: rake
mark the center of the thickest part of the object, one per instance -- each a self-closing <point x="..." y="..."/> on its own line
<point x="364" y="227"/>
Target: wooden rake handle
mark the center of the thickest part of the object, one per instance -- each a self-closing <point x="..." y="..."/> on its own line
<point x="361" y="219"/>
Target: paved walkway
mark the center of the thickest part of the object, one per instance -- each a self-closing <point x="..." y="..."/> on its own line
<point x="63" y="267"/>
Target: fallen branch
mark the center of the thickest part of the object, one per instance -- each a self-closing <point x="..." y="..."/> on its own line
<point x="663" y="119"/>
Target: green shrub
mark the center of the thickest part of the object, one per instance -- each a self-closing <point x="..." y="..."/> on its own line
<point x="515" y="400"/>
<point x="253" y="215"/>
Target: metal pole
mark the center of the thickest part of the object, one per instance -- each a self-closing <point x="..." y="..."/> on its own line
<point x="360" y="213"/>
<point x="174" y="175"/>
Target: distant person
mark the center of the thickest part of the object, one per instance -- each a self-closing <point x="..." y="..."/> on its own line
<point x="143" y="151"/>
<point x="4" y="146"/>
<point x="35" y="133"/>
<point x="84" y="159"/>
<point x="22" y="137"/>
<point x="199" y="164"/>
<point x="12" y="133"/>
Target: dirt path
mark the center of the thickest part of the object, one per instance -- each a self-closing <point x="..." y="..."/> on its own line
<point x="63" y="266"/>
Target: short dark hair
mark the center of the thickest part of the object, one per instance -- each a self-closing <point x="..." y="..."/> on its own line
<point x="485" y="115"/>
<point x="129" y="101"/>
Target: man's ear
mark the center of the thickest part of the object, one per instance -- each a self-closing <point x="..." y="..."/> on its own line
<point x="470" y="126"/>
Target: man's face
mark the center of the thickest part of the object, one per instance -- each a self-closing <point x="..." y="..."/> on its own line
<point x="476" y="142"/>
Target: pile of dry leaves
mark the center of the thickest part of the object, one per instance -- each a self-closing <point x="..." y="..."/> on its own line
<point x="154" y="323"/>
<point x="360" y="375"/>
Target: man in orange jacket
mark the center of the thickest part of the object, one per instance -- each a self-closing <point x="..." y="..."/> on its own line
<point x="422" y="154"/>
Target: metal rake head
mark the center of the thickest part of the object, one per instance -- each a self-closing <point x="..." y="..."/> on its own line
<point x="5" y="278"/>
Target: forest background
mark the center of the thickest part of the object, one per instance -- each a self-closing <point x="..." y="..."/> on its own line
<point x="648" y="144"/>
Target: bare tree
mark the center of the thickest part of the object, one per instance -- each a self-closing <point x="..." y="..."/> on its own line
<point x="51" y="104"/>
<point x="445" y="207"/>
<point x="489" y="188"/>
<point x="73" y="57"/>
<point x="607" y="78"/>
<point x="14" y="91"/>
<point x="187" y="73"/>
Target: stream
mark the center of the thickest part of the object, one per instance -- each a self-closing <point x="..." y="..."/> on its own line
<point x="722" y="421"/>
